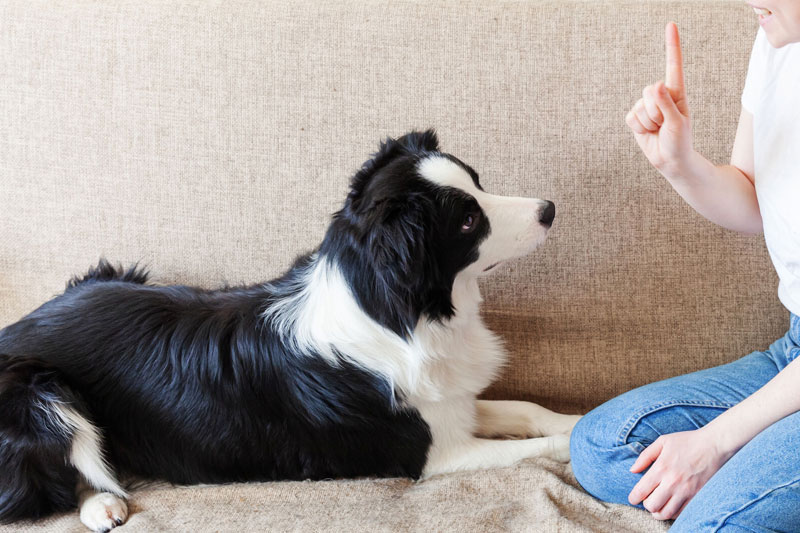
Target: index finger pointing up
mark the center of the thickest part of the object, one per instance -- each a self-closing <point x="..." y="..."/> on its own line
<point x="674" y="77"/>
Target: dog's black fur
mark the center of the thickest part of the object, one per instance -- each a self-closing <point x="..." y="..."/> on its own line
<point x="194" y="386"/>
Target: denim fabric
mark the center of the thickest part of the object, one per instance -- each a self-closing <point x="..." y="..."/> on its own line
<point x="758" y="489"/>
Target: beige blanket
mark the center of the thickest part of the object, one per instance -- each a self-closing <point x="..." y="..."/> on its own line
<point x="536" y="495"/>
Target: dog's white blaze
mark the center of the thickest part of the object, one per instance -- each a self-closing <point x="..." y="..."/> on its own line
<point x="514" y="222"/>
<point x="86" y="454"/>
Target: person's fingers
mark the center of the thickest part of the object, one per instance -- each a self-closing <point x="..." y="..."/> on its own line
<point x="633" y="123"/>
<point x="647" y="456"/>
<point x="665" y="104"/>
<point x="644" y="119"/>
<point x="657" y="499"/>
<point x="649" y="99"/>
<point x="671" y="509"/>
<point x="674" y="79"/>
<point x="644" y="487"/>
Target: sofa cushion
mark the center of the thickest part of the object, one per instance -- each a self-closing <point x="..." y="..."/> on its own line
<point x="535" y="495"/>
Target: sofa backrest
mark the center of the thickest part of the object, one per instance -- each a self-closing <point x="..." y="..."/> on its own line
<point x="211" y="141"/>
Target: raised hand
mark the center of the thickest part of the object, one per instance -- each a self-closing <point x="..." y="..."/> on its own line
<point x="660" y="119"/>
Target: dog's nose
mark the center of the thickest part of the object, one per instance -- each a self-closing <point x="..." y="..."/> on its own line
<point x="548" y="213"/>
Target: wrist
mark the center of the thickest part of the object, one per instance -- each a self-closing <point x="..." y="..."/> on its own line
<point x="726" y="438"/>
<point x="686" y="168"/>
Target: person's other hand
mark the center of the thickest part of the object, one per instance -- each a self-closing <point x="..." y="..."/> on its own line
<point x="681" y="464"/>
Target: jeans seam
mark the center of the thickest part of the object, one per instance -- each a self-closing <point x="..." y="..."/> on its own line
<point x="751" y="502"/>
<point x="622" y="438"/>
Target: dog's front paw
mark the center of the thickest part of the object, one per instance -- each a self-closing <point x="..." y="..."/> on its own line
<point x="103" y="512"/>
<point x="559" y="448"/>
<point x="569" y="423"/>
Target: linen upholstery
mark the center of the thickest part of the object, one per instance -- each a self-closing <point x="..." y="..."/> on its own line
<point x="211" y="141"/>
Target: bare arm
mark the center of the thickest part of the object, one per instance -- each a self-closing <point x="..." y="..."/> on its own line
<point x="724" y="194"/>
<point x="777" y="399"/>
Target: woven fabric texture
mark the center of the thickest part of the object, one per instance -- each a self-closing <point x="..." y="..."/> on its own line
<point x="211" y="141"/>
<point x="533" y="496"/>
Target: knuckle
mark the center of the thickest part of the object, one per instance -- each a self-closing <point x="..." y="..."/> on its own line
<point x="644" y="118"/>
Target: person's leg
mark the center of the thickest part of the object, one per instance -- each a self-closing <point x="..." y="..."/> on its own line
<point x="605" y="443"/>
<point x="758" y="489"/>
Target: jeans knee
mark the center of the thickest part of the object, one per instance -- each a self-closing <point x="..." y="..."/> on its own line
<point x="600" y="461"/>
<point x="581" y="447"/>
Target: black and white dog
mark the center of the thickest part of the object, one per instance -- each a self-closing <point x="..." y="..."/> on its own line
<point x="364" y="359"/>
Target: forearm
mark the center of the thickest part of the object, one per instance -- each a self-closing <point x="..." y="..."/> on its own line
<point x="777" y="399"/>
<point x="723" y="194"/>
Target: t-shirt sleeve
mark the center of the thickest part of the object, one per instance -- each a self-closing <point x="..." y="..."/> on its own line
<point x="756" y="72"/>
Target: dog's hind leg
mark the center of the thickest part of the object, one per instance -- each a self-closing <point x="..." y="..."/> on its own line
<point x="520" y="420"/>
<point x="48" y="443"/>
<point x="100" y="496"/>
<point x="86" y="452"/>
<point x="37" y="478"/>
<point x="100" y="511"/>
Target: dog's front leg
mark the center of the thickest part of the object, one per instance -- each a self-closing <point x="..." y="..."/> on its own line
<point x="520" y="420"/>
<point x="477" y="453"/>
<point x="100" y="511"/>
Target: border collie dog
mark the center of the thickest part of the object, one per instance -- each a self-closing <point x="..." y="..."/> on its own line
<point x="364" y="359"/>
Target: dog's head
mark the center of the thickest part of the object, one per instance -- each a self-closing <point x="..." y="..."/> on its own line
<point x="417" y="218"/>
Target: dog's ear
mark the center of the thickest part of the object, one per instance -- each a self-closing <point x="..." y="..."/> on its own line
<point x="420" y="141"/>
<point x="396" y="240"/>
<point x="396" y="246"/>
<point x="410" y="143"/>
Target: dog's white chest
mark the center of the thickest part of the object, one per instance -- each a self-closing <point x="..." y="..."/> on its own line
<point x="460" y="356"/>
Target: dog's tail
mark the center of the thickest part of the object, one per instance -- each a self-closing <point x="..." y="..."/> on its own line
<point x="105" y="271"/>
<point x="46" y="443"/>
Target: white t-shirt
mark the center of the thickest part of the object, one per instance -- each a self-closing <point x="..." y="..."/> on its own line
<point x="772" y="95"/>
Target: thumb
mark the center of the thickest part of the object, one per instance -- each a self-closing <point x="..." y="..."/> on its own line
<point x="674" y="76"/>
<point x="669" y="108"/>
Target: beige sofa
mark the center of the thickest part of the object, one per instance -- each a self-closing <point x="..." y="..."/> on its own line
<point x="212" y="140"/>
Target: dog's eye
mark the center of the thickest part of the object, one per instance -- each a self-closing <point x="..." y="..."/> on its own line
<point x="470" y="222"/>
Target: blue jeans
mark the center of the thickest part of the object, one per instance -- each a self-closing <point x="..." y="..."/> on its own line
<point x="758" y="489"/>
